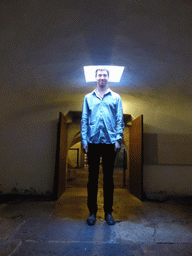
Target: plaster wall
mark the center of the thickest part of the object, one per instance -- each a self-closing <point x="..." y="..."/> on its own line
<point x="167" y="145"/>
<point x="27" y="155"/>
<point x="167" y="180"/>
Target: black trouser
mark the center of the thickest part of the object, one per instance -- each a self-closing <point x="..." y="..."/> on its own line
<point x="107" y="152"/>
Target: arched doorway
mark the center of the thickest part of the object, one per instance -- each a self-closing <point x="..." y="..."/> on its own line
<point x="69" y="126"/>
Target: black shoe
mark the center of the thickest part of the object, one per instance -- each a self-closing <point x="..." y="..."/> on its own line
<point x="91" y="219"/>
<point x="109" y="219"/>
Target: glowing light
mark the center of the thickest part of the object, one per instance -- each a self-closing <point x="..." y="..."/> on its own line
<point x="115" y="72"/>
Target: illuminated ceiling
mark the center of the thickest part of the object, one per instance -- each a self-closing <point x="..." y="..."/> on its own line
<point x="46" y="44"/>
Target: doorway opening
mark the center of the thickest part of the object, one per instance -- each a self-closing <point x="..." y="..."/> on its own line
<point x="77" y="172"/>
<point x="69" y="136"/>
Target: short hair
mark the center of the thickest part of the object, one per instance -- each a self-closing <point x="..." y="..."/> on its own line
<point x="102" y="69"/>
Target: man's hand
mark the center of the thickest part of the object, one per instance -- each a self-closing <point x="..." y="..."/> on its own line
<point x="117" y="146"/>
<point x="85" y="149"/>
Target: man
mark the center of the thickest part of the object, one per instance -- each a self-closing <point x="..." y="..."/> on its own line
<point x="101" y="136"/>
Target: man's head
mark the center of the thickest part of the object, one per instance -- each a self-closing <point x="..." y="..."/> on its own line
<point x="102" y="76"/>
<point x="101" y="69"/>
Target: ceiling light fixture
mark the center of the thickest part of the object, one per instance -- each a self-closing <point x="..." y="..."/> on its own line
<point x="115" y="72"/>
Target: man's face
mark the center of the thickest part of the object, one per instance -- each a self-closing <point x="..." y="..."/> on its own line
<point x="102" y="78"/>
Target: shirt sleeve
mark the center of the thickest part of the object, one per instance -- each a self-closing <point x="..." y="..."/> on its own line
<point x="84" y="123"/>
<point x="119" y="121"/>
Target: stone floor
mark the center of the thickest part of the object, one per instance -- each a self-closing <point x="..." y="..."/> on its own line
<point x="59" y="227"/>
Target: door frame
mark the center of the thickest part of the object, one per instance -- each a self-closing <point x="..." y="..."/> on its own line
<point x="134" y="175"/>
<point x="136" y="158"/>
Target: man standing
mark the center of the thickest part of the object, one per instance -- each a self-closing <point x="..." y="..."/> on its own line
<point x="101" y="136"/>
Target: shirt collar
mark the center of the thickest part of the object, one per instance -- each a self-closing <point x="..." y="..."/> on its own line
<point x="108" y="91"/>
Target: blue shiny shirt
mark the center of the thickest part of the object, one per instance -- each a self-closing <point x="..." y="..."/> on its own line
<point x="102" y="119"/>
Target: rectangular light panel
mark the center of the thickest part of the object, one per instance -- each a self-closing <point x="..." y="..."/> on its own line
<point x="115" y="73"/>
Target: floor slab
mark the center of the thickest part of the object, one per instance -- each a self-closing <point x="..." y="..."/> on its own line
<point x="89" y="249"/>
<point x="59" y="227"/>
<point x="63" y="230"/>
<point x="175" y="249"/>
<point x="9" y="246"/>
